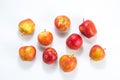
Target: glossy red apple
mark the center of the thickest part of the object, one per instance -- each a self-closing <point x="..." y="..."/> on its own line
<point x="49" y="55"/>
<point x="88" y="29"/>
<point x="74" y="41"/>
<point x="97" y="53"/>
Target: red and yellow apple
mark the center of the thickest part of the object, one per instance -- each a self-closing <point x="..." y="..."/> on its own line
<point x="26" y="27"/>
<point x="97" y="53"/>
<point x="68" y="63"/>
<point x="62" y="23"/>
<point x="45" y="38"/>
<point x="27" y="53"/>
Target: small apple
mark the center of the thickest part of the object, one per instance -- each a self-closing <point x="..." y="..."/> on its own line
<point x="27" y="53"/>
<point x="68" y="63"/>
<point x="49" y="55"/>
<point x="26" y="27"/>
<point x="45" y="38"/>
<point x="88" y="29"/>
<point x="97" y="53"/>
<point x="62" y="23"/>
<point x="74" y="41"/>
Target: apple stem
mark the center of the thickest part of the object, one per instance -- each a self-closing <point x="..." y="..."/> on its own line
<point x="44" y="30"/>
<point x="72" y="55"/>
<point x="104" y="48"/>
<point x="83" y="20"/>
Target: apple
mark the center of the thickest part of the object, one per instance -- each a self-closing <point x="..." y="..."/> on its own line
<point x="68" y="63"/>
<point x="97" y="53"/>
<point x="45" y="38"/>
<point x="49" y="55"/>
<point x="62" y="23"/>
<point x="27" y="53"/>
<point x="87" y="28"/>
<point x="26" y="27"/>
<point x="74" y="41"/>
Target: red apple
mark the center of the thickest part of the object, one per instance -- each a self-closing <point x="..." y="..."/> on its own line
<point x="49" y="55"/>
<point x="88" y="29"/>
<point x="74" y="41"/>
<point x="97" y="53"/>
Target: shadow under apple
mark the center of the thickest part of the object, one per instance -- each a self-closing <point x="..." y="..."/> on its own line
<point x="75" y="52"/>
<point x="25" y="64"/>
<point x="25" y="37"/>
<point x="98" y="64"/>
<point x="69" y="75"/>
<point x="61" y="33"/>
<point x="50" y="68"/>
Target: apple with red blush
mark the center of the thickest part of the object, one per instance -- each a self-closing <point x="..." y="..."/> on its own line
<point x="88" y="29"/>
<point x="74" y="41"/>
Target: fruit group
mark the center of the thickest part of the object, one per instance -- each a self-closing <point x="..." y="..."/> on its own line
<point x="62" y="23"/>
<point x="88" y="29"/>
<point x="45" y="38"/>
<point x="68" y="63"/>
<point x="74" y="41"/>
<point x="26" y="27"/>
<point x="49" y="55"/>
<point x="97" y="53"/>
<point x="27" y="53"/>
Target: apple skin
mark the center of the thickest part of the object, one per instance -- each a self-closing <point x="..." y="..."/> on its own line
<point x="27" y="53"/>
<point x="45" y="38"/>
<point x="49" y="55"/>
<point x="68" y="63"/>
<point x="62" y="23"/>
<point x="88" y="29"/>
<point x="26" y="27"/>
<point x="74" y="41"/>
<point x="97" y="53"/>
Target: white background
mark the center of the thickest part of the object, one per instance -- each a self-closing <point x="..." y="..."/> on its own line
<point x="104" y="13"/>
